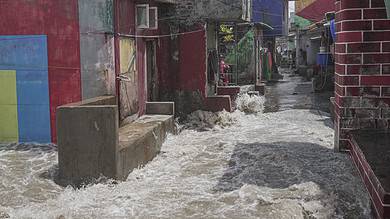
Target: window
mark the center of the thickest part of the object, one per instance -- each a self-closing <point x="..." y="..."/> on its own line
<point x="146" y="17"/>
<point x="153" y="18"/>
<point x="142" y="16"/>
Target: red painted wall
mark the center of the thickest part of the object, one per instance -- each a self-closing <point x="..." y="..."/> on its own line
<point x="58" y="19"/>
<point x="192" y="67"/>
<point x="167" y="66"/>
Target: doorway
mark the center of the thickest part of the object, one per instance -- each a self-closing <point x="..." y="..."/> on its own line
<point x="151" y="69"/>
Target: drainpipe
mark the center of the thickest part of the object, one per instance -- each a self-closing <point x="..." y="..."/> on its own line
<point x="117" y="53"/>
<point x="236" y="52"/>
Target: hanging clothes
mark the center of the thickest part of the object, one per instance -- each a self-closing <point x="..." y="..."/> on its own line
<point x="266" y="61"/>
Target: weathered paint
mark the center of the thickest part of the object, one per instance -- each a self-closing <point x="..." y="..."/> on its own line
<point x="192" y="69"/>
<point x="8" y="107"/>
<point x="27" y="55"/>
<point x="58" y="20"/>
<point x="97" y="48"/>
<point x="192" y="12"/>
<point x="190" y="80"/>
<point x="129" y="86"/>
<point x="141" y="69"/>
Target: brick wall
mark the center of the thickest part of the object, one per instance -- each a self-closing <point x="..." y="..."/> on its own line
<point x="362" y="68"/>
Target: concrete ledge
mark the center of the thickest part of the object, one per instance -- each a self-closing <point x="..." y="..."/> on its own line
<point x="232" y="91"/>
<point x="218" y="103"/>
<point x="102" y="100"/>
<point x="86" y="138"/>
<point x="160" y="108"/>
<point x="91" y="144"/>
<point x="141" y="141"/>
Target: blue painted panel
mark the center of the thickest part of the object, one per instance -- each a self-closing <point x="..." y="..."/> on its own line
<point x="28" y="56"/>
<point x="23" y="52"/>
<point x="33" y="106"/>
<point x="270" y="12"/>
<point x="36" y="124"/>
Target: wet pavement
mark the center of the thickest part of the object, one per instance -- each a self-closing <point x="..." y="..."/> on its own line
<point x="294" y="92"/>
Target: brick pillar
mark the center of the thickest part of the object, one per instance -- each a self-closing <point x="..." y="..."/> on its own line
<point x="362" y="68"/>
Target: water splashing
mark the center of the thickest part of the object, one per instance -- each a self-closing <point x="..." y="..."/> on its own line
<point x="250" y="104"/>
<point x="204" y="120"/>
<point x="274" y="165"/>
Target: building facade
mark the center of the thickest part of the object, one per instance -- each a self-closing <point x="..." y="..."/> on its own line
<point x="58" y="52"/>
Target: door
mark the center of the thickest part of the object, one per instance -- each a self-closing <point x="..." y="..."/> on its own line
<point x="151" y="68"/>
<point x="128" y="78"/>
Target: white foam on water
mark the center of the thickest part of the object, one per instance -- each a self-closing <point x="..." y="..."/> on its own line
<point x="205" y="120"/>
<point x="250" y="104"/>
<point x="276" y="165"/>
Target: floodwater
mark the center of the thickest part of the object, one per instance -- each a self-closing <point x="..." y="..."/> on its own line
<point x="294" y="92"/>
<point x="228" y="165"/>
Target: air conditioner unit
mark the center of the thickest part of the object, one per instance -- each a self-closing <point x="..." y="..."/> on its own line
<point x="146" y="17"/>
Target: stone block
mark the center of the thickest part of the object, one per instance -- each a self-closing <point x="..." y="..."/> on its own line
<point x="87" y="135"/>
<point x="160" y="108"/>
<point x="218" y="103"/>
<point x="91" y="144"/>
<point x="232" y="91"/>
<point x="260" y="88"/>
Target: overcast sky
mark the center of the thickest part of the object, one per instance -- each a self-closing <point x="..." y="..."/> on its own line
<point x="291" y="6"/>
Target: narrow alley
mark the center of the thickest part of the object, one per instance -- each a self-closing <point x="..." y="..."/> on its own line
<point x="269" y="109"/>
<point x="278" y="164"/>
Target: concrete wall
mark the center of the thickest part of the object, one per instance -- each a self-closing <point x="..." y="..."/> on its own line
<point x="87" y="139"/>
<point x="58" y="21"/>
<point x="362" y="89"/>
<point x="194" y="11"/>
<point x="91" y="144"/>
<point x="97" y="47"/>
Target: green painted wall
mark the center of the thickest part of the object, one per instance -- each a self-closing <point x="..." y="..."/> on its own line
<point x="8" y="107"/>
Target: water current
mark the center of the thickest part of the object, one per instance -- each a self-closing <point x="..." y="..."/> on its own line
<point x="245" y="164"/>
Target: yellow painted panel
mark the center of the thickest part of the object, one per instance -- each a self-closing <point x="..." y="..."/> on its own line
<point x="8" y="107"/>
<point x="129" y="83"/>
<point x="127" y="54"/>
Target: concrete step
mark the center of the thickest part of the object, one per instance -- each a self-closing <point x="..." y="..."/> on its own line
<point x="91" y="144"/>
<point x="218" y="103"/>
<point x="141" y="141"/>
<point x="232" y="91"/>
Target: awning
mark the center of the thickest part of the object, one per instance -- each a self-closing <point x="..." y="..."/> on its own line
<point x="316" y="11"/>
<point x="301" y="22"/>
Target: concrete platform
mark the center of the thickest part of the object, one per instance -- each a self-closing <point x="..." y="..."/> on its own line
<point x="369" y="150"/>
<point x="141" y="141"/>
<point x="232" y="91"/>
<point x="260" y="88"/>
<point x="218" y="103"/>
<point x="91" y="144"/>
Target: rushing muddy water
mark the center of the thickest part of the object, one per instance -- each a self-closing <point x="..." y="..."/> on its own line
<point x="274" y="165"/>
